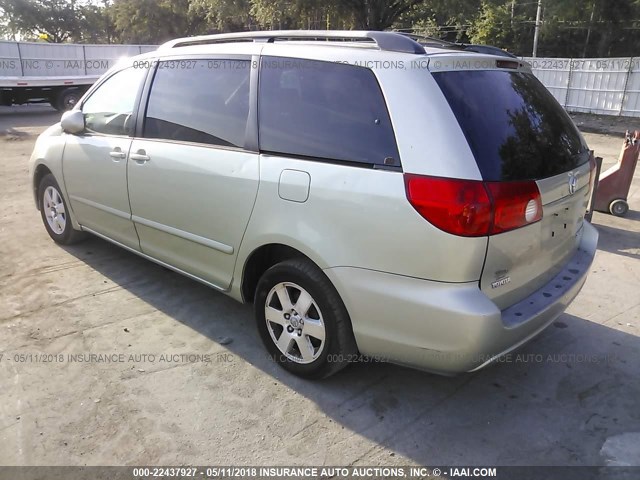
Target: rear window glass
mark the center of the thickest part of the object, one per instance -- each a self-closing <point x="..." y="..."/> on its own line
<point x="324" y="110"/>
<point x="514" y="126"/>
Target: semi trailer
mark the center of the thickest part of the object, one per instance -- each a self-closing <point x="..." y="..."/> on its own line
<point x="55" y="73"/>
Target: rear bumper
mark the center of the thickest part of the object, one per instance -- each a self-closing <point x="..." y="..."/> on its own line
<point x="451" y="328"/>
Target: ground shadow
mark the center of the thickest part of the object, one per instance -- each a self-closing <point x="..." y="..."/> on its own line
<point x="32" y="116"/>
<point x="619" y="241"/>
<point x="555" y="402"/>
<point x="632" y="215"/>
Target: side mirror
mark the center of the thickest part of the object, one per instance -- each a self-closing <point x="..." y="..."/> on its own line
<point x="72" y="121"/>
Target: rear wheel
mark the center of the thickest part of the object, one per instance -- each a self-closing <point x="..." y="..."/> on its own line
<point x="618" y="207"/>
<point x="54" y="212"/>
<point x="67" y="99"/>
<point x="302" y="321"/>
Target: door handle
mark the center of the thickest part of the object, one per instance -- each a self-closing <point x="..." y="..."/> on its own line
<point x="117" y="153"/>
<point x="140" y="156"/>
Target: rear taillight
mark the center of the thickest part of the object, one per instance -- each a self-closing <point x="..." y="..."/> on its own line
<point x="461" y="207"/>
<point x="473" y="208"/>
<point x="515" y="204"/>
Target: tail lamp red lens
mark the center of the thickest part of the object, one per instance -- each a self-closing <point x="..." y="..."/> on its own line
<point x="473" y="208"/>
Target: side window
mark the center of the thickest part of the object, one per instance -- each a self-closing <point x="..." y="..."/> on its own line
<point x="108" y="110"/>
<point x="203" y="101"/>
<point x="324" y="110"/>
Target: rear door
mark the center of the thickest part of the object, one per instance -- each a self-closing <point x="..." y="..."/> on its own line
<point x="517" y="131"/>
<point x="193" y="174"/>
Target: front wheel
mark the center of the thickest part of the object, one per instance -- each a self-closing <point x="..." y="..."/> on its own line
<point x="302" y="320"/>
<point x="55" y="213"/>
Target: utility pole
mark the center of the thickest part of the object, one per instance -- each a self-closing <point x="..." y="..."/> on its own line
<point x="536" y="34"/>
<point x="586" y="42"/>
<point x="513" y="8"/>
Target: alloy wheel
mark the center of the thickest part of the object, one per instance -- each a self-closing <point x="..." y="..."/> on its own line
<point x="295" y="322"/>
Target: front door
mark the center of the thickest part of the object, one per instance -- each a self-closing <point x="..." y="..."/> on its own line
<point x="95" y="161"/>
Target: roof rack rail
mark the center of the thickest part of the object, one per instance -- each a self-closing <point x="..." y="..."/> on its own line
<point x="427" y="40"/>
<point x="469" y="47"/>
<point x="388" y="41"/>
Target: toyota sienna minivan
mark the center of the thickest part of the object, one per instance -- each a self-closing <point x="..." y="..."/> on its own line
<point x="373" y="197"/>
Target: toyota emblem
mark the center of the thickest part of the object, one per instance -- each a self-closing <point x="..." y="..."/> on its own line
<point x="573" y="184"/>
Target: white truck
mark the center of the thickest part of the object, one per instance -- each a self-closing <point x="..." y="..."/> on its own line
<point x="57" y="73"/>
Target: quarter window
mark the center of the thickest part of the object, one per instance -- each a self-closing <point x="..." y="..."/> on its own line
<point x="108" y="110"/>
<point x="202" y="101"/>
<point x="324" y="110"/>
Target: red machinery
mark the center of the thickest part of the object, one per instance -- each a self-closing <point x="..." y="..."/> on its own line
<point x="614" y="184"/>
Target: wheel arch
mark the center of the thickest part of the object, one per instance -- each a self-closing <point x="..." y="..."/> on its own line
<point x="39" y="173"/>
<point x="260" y="260"/>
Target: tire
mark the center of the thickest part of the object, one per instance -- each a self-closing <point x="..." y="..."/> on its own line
<point x="618" y="207"/>
<point x="54" y="213"/>
<point x="67" y="99"/>
<point x="322" y="314"/>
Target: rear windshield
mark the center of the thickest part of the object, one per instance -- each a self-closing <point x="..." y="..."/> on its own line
<point x="514" y="126"/>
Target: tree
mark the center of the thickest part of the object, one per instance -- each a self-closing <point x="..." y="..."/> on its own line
<point x="97" y="25"/>
<point x="302" y="14"/>
<point x="497" y="26"/>
<point x="446" y="19"/>
<point x="58" y="20"/>
<point x="154" y="21"/>
<point x="377" y="14"/>
<point x="224" y="15"/>
<point x="570" y="28"/>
